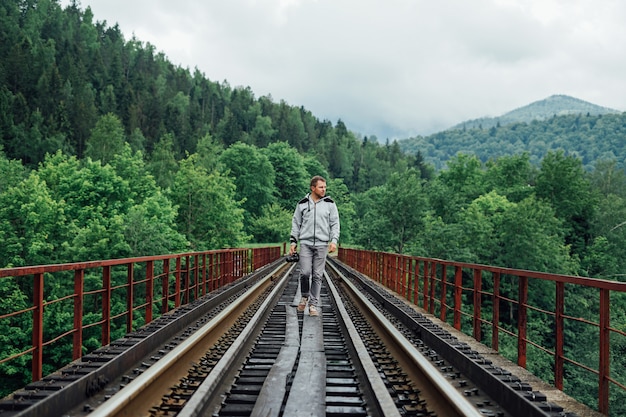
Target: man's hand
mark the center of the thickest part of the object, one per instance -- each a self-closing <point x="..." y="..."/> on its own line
<point x="332" y="247"/>
<point x="292" y="249"/>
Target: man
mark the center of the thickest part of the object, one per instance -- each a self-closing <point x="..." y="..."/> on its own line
<point x="315" y="225"/>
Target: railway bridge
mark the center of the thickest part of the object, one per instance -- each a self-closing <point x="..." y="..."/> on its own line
<point x="218" y="333"/>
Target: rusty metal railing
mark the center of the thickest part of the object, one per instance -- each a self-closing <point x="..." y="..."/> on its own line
<point x="91" y="295"/>
<point x="471" y="297"/>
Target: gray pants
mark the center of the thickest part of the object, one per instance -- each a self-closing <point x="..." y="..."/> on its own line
<point x="312" y="260"/>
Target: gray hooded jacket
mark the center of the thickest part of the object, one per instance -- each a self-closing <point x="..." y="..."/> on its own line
<point x="315" y="223"/>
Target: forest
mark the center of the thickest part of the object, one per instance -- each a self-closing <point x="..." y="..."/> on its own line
<point x="107" y="150"/>
<point x="590" y="137"/>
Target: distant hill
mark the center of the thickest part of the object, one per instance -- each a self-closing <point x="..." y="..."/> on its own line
<point x="577" y="127"/>
<point x="556" y="105"/>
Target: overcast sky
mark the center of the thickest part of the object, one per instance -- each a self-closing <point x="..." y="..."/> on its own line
<point x="392" y="68"/>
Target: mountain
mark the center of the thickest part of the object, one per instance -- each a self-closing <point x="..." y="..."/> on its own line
<point x="589" y="132"/>
<point x="556" y="105"/>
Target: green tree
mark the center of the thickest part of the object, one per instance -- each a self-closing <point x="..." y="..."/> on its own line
<point x="263" y="132"/>
<point x="392" y="215"/>
<point x="96" y="199"/>
<point x="606" y="254"/>
<point x="608" y="178"/>
<point x="132" y="169"/>
<point x="442" y="240"/>
<point x="253" y="175"/>
<point x="291" y="128"/>
<point x="137" y="140"/>
<point x="456" y="187"/>
<point x="272" y="226"/>
<point x="150" y="224"/>
<point x="209" y="151"/>
<point x="162" y="163"/>
<point x="511" y="176"/>
<point x="33" y="225"/>
<point x="532" y="238"/>
<point x="371" y="232"/>
<point x="481" y="225"/>
<point x="15" y="335"/>
<point x="107" y="139"/>
<point x="562" y="183"/>
<point x="150" y="228"/>
<point x="314" y="167"/>
<point x="208" y="214"/>
<point x="338" y="191"/>
<point x="291" y="180"/>
<point x="11" y="172"/>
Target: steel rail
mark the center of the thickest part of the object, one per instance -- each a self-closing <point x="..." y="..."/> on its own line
<point x="383" y="398"/>
<point x="197" y="403"/>
<point x="118" y="404"/>
<point x="448" y="392"/>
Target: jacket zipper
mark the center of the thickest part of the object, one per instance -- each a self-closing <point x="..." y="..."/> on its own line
<point x="314" y="223"/>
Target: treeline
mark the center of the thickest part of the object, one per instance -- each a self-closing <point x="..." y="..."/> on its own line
<point x="61" y="72"/>
<point x="589" y="137"/>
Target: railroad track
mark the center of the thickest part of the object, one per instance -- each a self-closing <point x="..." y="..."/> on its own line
<point x="249" y="352"/>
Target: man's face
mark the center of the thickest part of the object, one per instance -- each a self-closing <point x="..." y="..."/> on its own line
<point x="319" y="189"/>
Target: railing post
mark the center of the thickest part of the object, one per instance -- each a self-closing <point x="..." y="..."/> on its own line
<point x="226" y="268"/>
<point x="212" y="272"/>
<point x="186" y="283"/>
<point x="228" y="259"/>
<point x="478" y="287"/>
<point x="393" y="271"/>
<point x="559" y="311"/>
<point x="241" y="263"/>
<point x="433" y="280"/>
<point x="106" y="305"/>
<point x="458" y="292"/>
<point x="196" y="276"/>
<point x="376" y="265"/>
<point x="220" y="269"/>
<point x="165" y="307"/>
<point x="177" y="283"/>
<point x="605" y="363"/>
<point x="77" y="343"/>
<point x="416" y="277"/>
<point x="385" y="271"/>
<point x="495" y="340"/>
<point x="37" y="364"/>
<point x="217" y="271"/>
<point x="522" y="321"/>
<point x="149" y="289"/>
<point x="425" y="285"/>
<point x="361" y="261"/>
<point x="130" y="296"/>
<point x="406" y="276"/>
<point x="384" y="276"/>
<point x="397" y="262"/>
<point x="444" y="278"/>
<point x="203" y="275"/>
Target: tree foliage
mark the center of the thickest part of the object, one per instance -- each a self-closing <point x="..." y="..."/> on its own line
<point x="588" y="137"/>
<point x="253" y="176"/>
<point x="209" y="213"/>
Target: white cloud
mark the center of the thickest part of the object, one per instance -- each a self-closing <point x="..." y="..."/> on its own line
<point x="393" y="67"/>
